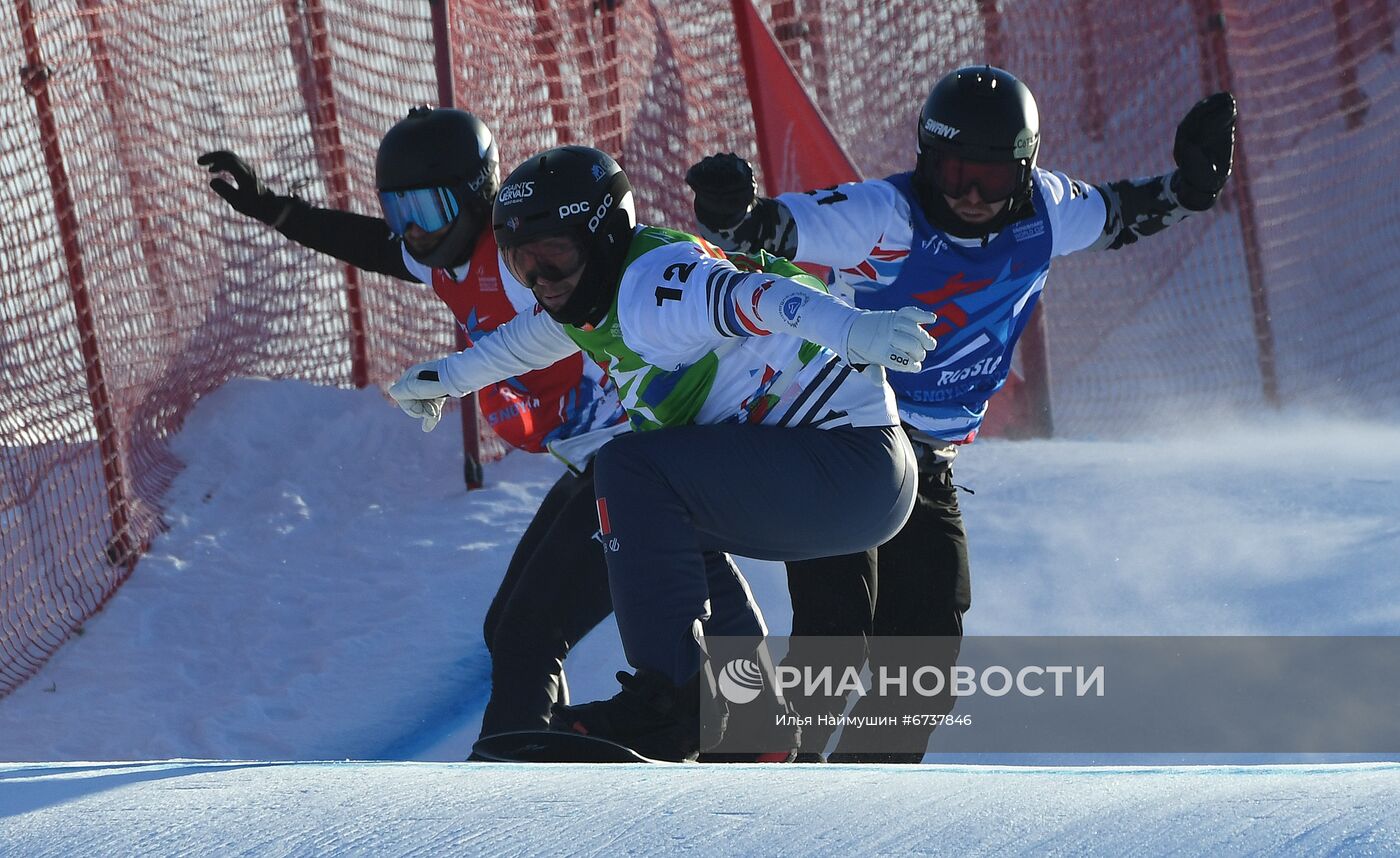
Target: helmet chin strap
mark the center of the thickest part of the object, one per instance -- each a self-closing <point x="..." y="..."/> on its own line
<point x="435" y="260"/>
<point x="457" y="246"/>
<point x="588" y="303"/>
<point x="597" y="285"/>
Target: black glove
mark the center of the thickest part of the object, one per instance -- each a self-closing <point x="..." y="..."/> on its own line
<point x="251" y="197"/>
<point x="1205" y="150"/>
<point x="725" y="190"/>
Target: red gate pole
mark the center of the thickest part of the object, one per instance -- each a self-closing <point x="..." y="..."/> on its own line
<point x="311" y="49"/>
<point x="122" y="549"/>
<point x="447" y="97"/>
<point x="1215" y="54"/>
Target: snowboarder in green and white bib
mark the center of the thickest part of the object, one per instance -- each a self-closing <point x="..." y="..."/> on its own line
<point x="757" y="401"/>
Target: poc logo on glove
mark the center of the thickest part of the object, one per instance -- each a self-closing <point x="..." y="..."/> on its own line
<point x="894" y="339"/>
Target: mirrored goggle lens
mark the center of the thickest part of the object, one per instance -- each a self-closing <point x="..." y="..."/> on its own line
<point x="553" y="258"/>
<point x="430" y="208"/>
<point x="994" y="180"/>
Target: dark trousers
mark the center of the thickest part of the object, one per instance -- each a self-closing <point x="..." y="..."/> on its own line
<point x="554" y="592"/>
<point x="668" y="497"/>
<point x="916" y="584"/>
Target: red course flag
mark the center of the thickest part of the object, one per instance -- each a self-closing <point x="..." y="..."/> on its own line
<point x="796" y="148"/>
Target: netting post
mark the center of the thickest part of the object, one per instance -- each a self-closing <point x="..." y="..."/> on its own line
<point x="791" y="30"/>
<point x="446" y="96"/>
<point x="1354" y="103"/>
<point x="306" y="25"/>
<point x="993" y="35"/>
<point x="1216" y="71"/>
<point x="600" y="76"/>
<point x="121" y="549"/>
<point x="1033" y="352"/>
<point x="610" y="124"/>
<point x="127" y="145"/>
<point x="1094" y="119"/>
<point x="545" y="39"/>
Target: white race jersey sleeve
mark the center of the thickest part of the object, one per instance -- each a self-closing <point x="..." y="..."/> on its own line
<point x="1076" y="211"/>
<point x="839" y="227"/>
<point x="677" y="303"/>
<point x="531" y="340"/>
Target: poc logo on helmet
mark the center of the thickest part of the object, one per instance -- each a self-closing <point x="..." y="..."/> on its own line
<point x="597" y="219"/>
<point x="935" y="127"/>
<point x="573" y="209"/>
<point x="516" y="192"/>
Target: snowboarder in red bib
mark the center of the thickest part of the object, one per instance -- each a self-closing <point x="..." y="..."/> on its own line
<point x="437" y="172"/>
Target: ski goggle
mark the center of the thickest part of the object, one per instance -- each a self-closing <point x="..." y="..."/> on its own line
<point x="994" y="180"/>
<point x="553" y="258"/>
<point x="430" y="209"/>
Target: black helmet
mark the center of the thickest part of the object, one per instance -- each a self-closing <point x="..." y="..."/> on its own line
<point x="579" y="193"/>
<point x="982" y="115"/>
<point x="451" y="157"/>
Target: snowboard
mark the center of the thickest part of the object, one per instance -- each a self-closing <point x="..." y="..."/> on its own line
<point x="553" y="746"/>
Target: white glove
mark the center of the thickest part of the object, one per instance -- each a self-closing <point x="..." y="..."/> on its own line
<point x="419" y="393"/>
<point x="891" y="338"/>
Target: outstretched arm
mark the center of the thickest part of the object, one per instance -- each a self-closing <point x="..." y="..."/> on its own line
<point x="701" y="299"/>
<point x="528" y="341"/>
<point x="730" y="212"/>
<point x="1204" y="153"/>
<point x="364" y="242"/>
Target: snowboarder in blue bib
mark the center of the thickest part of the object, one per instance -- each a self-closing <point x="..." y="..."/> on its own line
<point x="969" y="233"/>
<point x="755" y="399"/>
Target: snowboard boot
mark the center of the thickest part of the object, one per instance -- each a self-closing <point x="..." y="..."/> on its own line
<point x="766" y="723"/>
<point x="650" y="715"/>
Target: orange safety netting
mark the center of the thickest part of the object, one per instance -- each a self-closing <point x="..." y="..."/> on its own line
<point x="128" y="289"/>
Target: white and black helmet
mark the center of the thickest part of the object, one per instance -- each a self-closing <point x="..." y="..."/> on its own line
<point x="439" y="166"/>
<point x="978" y="127"/>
